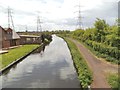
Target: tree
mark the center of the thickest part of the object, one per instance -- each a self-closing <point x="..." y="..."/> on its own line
<point x="100" y="26"/>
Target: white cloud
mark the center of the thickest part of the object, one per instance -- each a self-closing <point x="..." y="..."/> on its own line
<point x="57" y="14"/>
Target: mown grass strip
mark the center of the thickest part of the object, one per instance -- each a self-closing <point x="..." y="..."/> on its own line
<point x="16" y="53"/>
<point x="84" y="73"/>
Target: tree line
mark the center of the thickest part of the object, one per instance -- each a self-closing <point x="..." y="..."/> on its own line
<point x="102" y="38"/>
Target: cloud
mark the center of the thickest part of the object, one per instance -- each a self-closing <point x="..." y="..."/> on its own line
<point x="119" y="9"/>
<point x="57" y="14"/>
<point x="107" y="11"/>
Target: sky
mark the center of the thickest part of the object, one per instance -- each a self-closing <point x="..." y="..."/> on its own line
<point x="57" y="14"/>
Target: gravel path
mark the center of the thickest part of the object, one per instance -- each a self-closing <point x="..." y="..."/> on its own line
<point x="98" y="67"/>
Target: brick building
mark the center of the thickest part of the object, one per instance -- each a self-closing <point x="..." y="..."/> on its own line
<point x="30" y="39"/>
<point x="8" y="38"/>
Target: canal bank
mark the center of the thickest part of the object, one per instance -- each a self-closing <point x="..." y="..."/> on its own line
<point x="18" y="60"/>
<point x="50" y="68"/>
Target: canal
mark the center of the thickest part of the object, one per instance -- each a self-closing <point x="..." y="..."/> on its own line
<point x="48" y="67"/>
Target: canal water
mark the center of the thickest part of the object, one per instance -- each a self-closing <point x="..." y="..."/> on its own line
<point x="50" y="68"/>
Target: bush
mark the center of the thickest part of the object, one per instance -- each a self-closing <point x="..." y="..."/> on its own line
<point x="105" y="50"/>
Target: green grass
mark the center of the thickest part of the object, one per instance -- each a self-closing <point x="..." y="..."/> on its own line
<point x="98" y="54"/>
<point x="113" y="80"/>
<point x="84" y="73"/>
<point x="0" y="61"/>
<point x="16" y="53"/>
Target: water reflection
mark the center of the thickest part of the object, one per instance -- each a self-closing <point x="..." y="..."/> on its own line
<point x="53" y="69"/>
<point x="40" y="49"/>
<point x="7" y="71"/>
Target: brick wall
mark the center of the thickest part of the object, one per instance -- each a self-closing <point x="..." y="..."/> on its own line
<point x="5" y="43"/>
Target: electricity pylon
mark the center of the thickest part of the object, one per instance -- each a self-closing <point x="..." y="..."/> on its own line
<point x="39" y="26"/>
<point x="10" y="19"/>
<point x="79" y="17"/>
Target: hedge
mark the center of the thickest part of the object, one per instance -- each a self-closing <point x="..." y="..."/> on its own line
<point x="113" y="52"/>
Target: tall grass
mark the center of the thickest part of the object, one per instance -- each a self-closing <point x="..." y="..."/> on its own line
<point x="114" y="80"/>
<point x="84" y="73"/>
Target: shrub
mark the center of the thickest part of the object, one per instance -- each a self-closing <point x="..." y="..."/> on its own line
<point x="106" y="50"/>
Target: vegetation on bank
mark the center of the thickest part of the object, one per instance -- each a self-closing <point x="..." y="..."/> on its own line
<point x="114" y="80"/>
<point x="46" y="38"/>
<point x="102" y="39"/>
<point x="16" y="53"/>
<point x="84" y="73"/>
<point x="0" y="61"/>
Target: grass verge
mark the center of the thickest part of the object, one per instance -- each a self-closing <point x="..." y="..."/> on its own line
<point x="14" y="54"/>
<point x="84" y="73"/>
<point x="113" y="80"/>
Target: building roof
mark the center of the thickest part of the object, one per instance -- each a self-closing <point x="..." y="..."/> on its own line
<point x="0" y="27"/>
<point x="15" y="35"/>
<point x="31" y="36"/>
